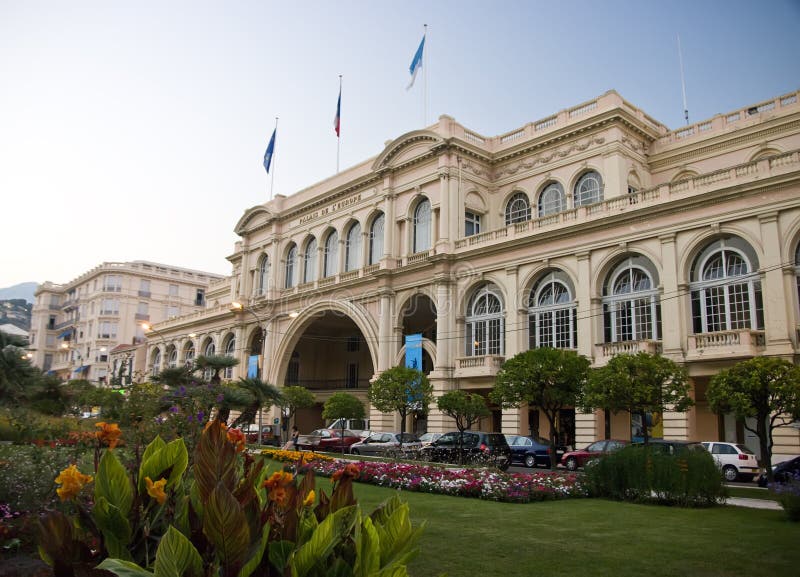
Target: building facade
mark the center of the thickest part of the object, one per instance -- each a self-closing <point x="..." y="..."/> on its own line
<point x="596" y="229"/>
<point x="75" y="326"/>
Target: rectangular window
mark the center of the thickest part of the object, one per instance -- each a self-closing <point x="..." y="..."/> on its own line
<point x="173" y="290"/>
<point x="472" y="223"/>
<point x="352" y="375"/>
<point x="51" y="322"/>
<point x="200" y="298"/>
<point x="109" y="307"/>
<point x="107" y="330"/>
<point x="142" y="309"/>
<point x="144" y="288"/>
<point x="353" y="344"/>
<point x="173" y="311"/>
<point x="112" y="283"/>
<point x="50" y="340"/>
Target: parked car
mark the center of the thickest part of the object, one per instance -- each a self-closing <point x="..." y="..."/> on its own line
<point x="477" y="448"/>
<point x="428" y="438"/>
<point x="532" y="451"/>
<point x="574" y="459"/>
<point x="328" y="440"/>
<point x="386" y="444"/>
<point x="269" y="435"/>
<point x="733" y="459"/>
<point x="671" y="447"/>
<point x="781" y="471"/>
<point x="358" y="426"/>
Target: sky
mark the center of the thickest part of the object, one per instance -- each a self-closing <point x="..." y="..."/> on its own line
<point x="136" y="130"/>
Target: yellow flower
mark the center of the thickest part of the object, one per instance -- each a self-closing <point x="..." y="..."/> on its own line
<point x="309" y="500"/>
<point x="156" y="490"/>
<point x="71" y="481"/>
<point x="109" y="434"/>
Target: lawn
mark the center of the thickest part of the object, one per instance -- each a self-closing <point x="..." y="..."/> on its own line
<point x="585" y="537"/>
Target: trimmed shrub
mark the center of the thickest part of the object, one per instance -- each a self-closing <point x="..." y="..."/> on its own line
<point x="648" y="475"/>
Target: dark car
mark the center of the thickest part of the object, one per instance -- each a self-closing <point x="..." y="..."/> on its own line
<point x="532" y="451"/>
<point x="781" y="472"/>
<point x="328" y="440"/>
<point x="574" y="459"/>
<point x="672" y="447"/>
<point x="475" y="448"/>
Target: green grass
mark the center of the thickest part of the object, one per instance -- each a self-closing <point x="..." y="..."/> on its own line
<point x="589" y="537"/>
<point x="751" y="493"/>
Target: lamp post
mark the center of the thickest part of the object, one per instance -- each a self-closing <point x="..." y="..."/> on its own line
<point x="238" y="307"/>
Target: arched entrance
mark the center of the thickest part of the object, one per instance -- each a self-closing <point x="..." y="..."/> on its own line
<point x="255" y="350"/>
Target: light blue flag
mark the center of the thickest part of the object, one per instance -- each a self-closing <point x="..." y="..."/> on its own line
<point x="416" y="63"/>
<point x="270" y="150"/>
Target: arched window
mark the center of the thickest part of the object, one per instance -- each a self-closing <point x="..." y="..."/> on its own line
<point x="552" y="313"/>
<point x="518" y="208"/>
<point x="209" y="351"/>
<point x="630" y="303"/>
<point x="352" y="248"/>
<point x="797" y="270"/>
<point x="172" y="359"/>
<point x="188" y="353"/>
<point x="156" y="363"/>
<point x="263" y="275"/>
<point x="422" y="226"/>
<point x="310" y="261"/>
<point x="331" y="264"/>
<point x="376" y="239"/>
<point x="484" y="323"/>
<point x="589" y="189"/>
<point x="552" y="200"/>
<point x="291" y="265"/>
<point x="230" y="351"/>
<point x="726" y="293"/>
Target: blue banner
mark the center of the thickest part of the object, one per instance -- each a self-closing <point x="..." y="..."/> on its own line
<point x="414" y="352"/>
<point x="252" y="367"/>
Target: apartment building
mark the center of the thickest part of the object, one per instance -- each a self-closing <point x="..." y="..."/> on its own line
<point x="75" y="325"/>
<point x="596" y="229"/>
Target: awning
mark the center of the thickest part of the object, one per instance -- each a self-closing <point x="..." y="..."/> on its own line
<point x="65" y="334"/>
<point x="49" y="373"/>
<point x="81" y="369"/>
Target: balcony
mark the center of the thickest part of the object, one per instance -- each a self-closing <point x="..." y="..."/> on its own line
<point x="726" y="344"/>
<point x="332" y="384"/>
<point x="479" y="366"/>
<point x="604" y="351"/>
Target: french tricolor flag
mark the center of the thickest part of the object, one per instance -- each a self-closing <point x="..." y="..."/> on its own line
<point x="338" y="118"/>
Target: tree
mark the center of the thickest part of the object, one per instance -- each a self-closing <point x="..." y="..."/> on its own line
<point x="763" y="388"/>
<point x="466" y="408"/>
<point x="401" y="390"/>
<point x="292" y="399"/>
<point x="550" y="379"/>
<point x="640" y="384"/>
<point x="343" y="406"/>
<point x="19" y="380"/>
<point x="217" y="363"/>
<point x="254" y="395"/>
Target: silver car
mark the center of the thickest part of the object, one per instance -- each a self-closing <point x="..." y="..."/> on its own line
<point x="386" y="444"/>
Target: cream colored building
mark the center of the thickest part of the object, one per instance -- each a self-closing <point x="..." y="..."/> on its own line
<point x="75" y="326"/>
<point x="596" y="229"/>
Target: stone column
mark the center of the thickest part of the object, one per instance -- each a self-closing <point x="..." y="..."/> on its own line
<point x="776" y="301"/>
<point x="389" y="224"/>
<point x="516" y="318"/>
<point x="586" y="321"/>
<point x="445" y="216"/>
<point x="673" y="325"/>
<point x="512" y="421"/>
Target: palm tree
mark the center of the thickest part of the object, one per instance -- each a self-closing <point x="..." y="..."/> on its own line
<point x="18" y="378"/>
<point x="252" y="395"/>
<point x="215" y="363"/>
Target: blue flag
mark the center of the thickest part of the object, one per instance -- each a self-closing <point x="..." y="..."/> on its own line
<point x="270" y="151"/>
<point x="416" y="63"/>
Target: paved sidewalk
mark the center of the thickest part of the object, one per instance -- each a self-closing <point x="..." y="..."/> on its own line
<point x="754" y="503"/>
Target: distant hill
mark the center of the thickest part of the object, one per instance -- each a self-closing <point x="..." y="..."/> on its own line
<point x="23" y="290"/>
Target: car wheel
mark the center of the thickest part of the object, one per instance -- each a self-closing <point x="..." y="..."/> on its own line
<point x="530" y="461"/>
<point x="730" y="472"/>
<point x="571" y="464"/>
<point x="354" y="452"/>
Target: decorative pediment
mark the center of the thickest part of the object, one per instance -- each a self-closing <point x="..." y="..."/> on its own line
<point x="252" y="219"/>
<point x="405" y="148"/>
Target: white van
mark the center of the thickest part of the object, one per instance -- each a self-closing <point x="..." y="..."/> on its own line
<point x="358" y="426"/>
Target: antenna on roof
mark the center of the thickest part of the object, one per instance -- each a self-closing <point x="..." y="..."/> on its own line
<point x="683" y="82"/>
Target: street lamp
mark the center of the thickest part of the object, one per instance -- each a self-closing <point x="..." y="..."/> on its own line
<point x="149" y="328"/>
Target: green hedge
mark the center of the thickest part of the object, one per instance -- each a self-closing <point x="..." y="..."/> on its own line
<point x="646" y="475"/>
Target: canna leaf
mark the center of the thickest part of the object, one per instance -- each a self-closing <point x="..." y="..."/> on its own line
<point x="172" y="457"/>
<point x="176" y="556"/>
<point x="255" y="560"/>
<point x="115" y="527"/>
<point x="124" y="568"/>
<point x="279" y="554"/>
<point x="112" y="483"/>
<point x="325" y="538"/>
<point x="225" y="525"/>
<point x="368" y="553"/>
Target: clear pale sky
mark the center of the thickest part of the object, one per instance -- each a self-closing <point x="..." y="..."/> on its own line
<point x="136" y="130"/>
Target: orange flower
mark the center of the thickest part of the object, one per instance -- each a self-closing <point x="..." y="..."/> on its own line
<point x="156" y="490"/>
<point x="236" y="437"/>
<point x="109" y="434"/>
<point x="350" y="470"/>
<point x="277" y="484"/>
<point x="71" y="481"/>
<point x="309" y="500"/>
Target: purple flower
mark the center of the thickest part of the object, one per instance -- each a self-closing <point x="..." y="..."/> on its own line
<point x="200" y="416"/>
<point x="173" y="409"/>
<point x="219" y="398"/>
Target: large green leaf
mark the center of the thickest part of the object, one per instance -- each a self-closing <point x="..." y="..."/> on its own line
<point x="155" y="445"/>
<point x="112" y="483"/>
<point x="398" y="539"/>
<point x="258" y="553"/>
<point x="306" y="526"/>
<point x="176" y="556"/>
<point x="225" y="525"/>
<point x="279" y="554"/>
<point x="172" y="456"/>
<point x="326" y="537"/>
<point x="115" y="527"/>
<point x="368" y="551"/>
<point x="124" y="568"/>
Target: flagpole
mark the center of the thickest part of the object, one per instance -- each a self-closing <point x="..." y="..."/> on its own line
<point x="339" y="130"/>
<point x="683" y="82"/>
<point x="272" y="174"/>
<point x="425" y="81"/>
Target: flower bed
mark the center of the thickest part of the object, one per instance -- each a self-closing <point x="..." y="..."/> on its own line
<point x="294" y="456"/>
<point x="488" y="484"/>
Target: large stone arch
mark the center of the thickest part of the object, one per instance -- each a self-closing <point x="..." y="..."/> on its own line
<point x="294" y="331"/>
